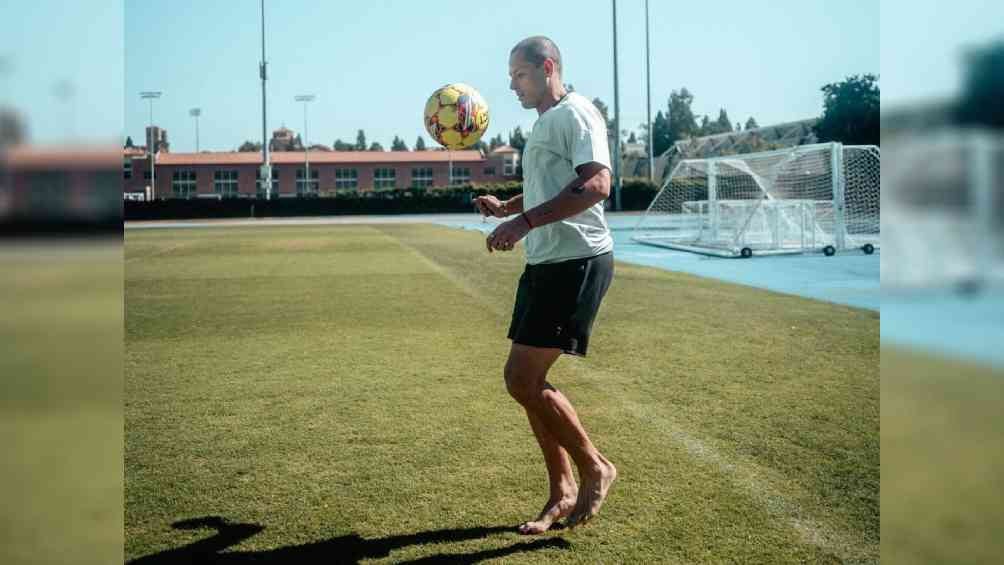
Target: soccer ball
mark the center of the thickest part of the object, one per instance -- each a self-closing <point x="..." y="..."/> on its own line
<point x="456" y="116"/>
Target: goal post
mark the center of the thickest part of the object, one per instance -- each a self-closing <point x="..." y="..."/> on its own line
<point x="821" y="197"/>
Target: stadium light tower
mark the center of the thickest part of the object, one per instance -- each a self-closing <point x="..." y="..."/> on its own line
<point x="617" y="124"/>
<point x="305" y="98"/>
<point x="266" y="167"/>
<point x="648" y="101"/>
<point x="195" y="113"/>
<point x="151" y="143"/>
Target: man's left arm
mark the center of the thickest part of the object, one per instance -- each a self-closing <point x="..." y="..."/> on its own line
<point x="592" y="185"/>
<point x="589" y="188"/>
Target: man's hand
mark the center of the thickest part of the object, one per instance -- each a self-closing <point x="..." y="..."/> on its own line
<point x="507" y="234"/>
<point x="490" y="206"/>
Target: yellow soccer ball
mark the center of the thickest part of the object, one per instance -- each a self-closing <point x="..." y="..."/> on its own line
<point x="456" y="116"/>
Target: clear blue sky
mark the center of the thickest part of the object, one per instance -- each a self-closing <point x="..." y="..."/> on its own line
<point x="372" y="64"/>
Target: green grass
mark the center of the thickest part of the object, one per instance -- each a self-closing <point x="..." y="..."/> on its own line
<point x="338" y="390"/>
<point x="942" y="461"/>
<point x="61" y="408"/>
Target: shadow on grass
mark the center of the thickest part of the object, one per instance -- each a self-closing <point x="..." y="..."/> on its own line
<point x="342" y="549"/>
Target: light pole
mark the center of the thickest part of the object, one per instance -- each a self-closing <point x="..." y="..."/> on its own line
<point x="617" y="124"/>
<point x="64" y="92"/>
<point x="266" y="168"/>
<point x="151" y="142"/>
<point x="648" y="101"/>
<point x="195" y="113"/>
<point x="305" y="98"/>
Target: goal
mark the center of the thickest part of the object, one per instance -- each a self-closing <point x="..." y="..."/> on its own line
<point x="944" y="204"/>
<point x="822" y="197"/>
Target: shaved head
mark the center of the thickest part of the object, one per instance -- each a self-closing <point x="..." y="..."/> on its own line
<point x="536" y="49"/>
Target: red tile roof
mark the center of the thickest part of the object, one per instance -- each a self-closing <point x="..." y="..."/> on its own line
<point x="292" y="157"/>
<point x="505" y="149"/>
<point x="56" y="157"/>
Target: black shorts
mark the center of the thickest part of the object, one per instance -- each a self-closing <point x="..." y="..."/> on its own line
<point x="556" y="303"/>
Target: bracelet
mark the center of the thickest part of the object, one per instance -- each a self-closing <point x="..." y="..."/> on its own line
<point x="526" y="219"/>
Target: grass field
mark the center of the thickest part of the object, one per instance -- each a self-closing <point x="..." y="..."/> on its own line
<point x="61" y="407"/>
<point x="334" y="394"/>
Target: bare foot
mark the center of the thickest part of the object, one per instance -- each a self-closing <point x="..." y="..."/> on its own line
<point x="593" y="490"/>
<point x="554" y="510"/>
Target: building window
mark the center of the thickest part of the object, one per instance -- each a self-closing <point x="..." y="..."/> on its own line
<point x="490" y="171"/>
<point x="509" y="167"/>
<point x="146" y="175"/>
<point x="308" y="188"/>
<point x="384" y="178"/>
<point x="127" y="169"/>
<point x="225" y="183"/>
<point x="183" y="183"/>
<point x="260" y="187"/>
<point x="346" y="178"/>
<point x="461" y="175"/>
<point x="421" y="177"/>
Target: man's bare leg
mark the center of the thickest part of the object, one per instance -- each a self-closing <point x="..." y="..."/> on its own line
<point x="562" y="490"/>
<point x="526" y="374"/>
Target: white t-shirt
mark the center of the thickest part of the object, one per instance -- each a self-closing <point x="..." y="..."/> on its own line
<point x="569" y="134"/>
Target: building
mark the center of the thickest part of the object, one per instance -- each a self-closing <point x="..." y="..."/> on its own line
<point x="59" y="185"/>
<point x="237" y="174"/>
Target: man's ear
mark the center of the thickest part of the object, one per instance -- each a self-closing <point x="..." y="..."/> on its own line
<point x="549" y="67"/>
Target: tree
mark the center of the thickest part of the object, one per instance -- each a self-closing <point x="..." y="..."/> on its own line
<point x="682" y="123"/>
<point x="739" y="127"/>
<point x="420" y="144"/>
<point x="13" y="130"/>
<point x="249" y="146"/>
<point x="376" y="147"/>
<point x="517" y="141"/>
<point x="850" y="111"/>
<point x="706" y="127"/>
<point x="361" y="141"/>
<point x="724" y="124"/>
<point x="340" y="145"/>
<point x="632" y="139"/>
<point x="661" y="141"/>
<point x="398" y="144"/>
<point x="495" y="142"/>
<point x="983" y="87"/>
<point x="604" y="111"/>
<point x="129" y="143"/>
<point x="751" y="124"/>
<point x="297" y="144"/>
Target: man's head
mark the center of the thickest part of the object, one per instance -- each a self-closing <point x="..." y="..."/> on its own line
<point x="535" y="70"/>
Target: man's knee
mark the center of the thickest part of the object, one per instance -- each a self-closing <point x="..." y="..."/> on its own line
<point x="523" y="387"/>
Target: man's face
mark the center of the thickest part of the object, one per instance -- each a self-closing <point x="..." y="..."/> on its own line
<point x="528" y="81"/>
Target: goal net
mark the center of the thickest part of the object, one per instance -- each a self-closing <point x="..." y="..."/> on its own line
<point x="812" y="197"/>
<point x="944" y="200"/>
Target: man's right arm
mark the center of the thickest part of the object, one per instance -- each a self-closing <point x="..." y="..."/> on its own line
<point x="492" y="206"/>
<point x="514" y="205"/>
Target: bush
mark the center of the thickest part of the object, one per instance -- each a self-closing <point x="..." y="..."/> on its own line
<point x="636" y="195"/>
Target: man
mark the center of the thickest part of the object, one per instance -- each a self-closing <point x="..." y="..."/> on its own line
<point x="569" y="250"/>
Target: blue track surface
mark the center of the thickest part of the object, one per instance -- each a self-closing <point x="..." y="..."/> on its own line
<point x="851" y="278"/>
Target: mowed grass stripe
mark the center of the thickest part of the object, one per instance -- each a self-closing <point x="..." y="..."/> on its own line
<point x="329" y="381"/>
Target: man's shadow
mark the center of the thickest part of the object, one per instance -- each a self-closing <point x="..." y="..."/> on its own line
<point x="346" y="549"/>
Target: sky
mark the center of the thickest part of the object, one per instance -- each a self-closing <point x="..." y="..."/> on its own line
<point x="373" y="64"/>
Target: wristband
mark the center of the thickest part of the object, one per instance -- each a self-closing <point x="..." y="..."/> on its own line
<point x="526" y="219"/>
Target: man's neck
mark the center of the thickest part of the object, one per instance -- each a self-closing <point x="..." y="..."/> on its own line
<point x="553" y="98"/>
